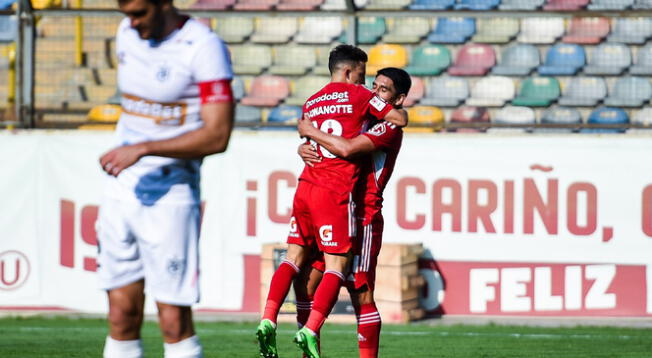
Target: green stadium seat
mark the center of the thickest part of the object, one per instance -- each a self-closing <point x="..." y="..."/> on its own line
<point x="537" y="92"/>
<point x="322" y="61"/>
<point x="369" y="30"/>
<point x="234" y="29"/>
<point x="250" y="59"/>
<point x="407" y="30"/>
<point x="496" y="30"/>
<point x="293" y="60"/>
<point x="429" y="60"/>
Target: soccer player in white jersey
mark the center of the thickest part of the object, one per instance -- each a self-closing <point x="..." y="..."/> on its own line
<point x="177" y="107"/>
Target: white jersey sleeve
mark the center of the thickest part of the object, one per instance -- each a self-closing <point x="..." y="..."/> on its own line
<point x="212" y="61"/>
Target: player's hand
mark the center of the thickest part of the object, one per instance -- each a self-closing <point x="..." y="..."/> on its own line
<point x="116" y="160"/>
<point x="309" y="154"/>
<point x="305" y="126"/>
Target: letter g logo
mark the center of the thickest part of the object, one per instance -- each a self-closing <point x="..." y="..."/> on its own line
<point x="326" y="232"/>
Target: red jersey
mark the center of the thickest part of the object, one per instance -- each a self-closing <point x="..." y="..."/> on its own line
<point x="377" y="168"/>
<point x="340" y="109"/>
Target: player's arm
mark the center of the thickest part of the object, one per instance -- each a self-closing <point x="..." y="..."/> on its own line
<point x="397" y="116"/>
<point x="341" y="147"/>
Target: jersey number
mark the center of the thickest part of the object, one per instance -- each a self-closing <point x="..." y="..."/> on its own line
<point x="330" y="126"/>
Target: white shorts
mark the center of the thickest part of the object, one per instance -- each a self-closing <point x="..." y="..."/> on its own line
<point x="157" y="243"/>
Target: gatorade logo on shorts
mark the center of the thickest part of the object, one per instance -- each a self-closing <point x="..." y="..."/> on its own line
<point x="326" y="232"/>
<point x="293" y="227"/>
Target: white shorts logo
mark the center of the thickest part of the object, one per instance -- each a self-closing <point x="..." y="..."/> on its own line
<point x="326" y="232"/>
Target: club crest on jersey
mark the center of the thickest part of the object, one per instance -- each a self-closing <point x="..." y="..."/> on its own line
<point x="326" y="233"/>
<point x="176" y="266"/>
<point x="163" y="73"/>
<point x="378" y="130"/>
<point x="377" y="103"/>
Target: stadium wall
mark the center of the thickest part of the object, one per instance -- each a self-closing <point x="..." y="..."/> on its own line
<point x="541" y="225"/>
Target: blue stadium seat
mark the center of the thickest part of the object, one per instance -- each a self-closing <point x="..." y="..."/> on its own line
<point x="642" y="4"/>
<point x="517" y="60"/>
<point x="477" y="5"/>
<point x="607" y="115"/>
<point x="610" y="4"/>
<point x="563" y="60"/>
<point x="513" y="115"/>
<point x="584" y="92"/>
<point x="7" y="28"/>
<point x="609" y="59"/>
<point x="630" y="92"/>
<point x="633" y="31"/>
<point x="238" y="87"/>
<point x="284" y="114"/>
<point x="521" y="4"/>
<point x="560" y="115"/>
<point x="432" y="4"/>
<point x="643" y="65"/>
<point x="247" y="115"/>
<point x="454" y="30"/>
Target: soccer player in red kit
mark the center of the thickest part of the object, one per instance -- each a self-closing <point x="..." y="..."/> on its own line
<point x="323" y="209"/>
<point x="380" y="146"/>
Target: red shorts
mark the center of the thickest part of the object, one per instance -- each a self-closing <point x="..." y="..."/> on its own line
<point x="323" y="217"/>
<point x="366" y="248"/>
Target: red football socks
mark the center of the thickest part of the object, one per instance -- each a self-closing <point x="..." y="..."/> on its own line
<point x="278" y="289"/>
<point x="325" y="299"/>
<point x="368" y="330"/>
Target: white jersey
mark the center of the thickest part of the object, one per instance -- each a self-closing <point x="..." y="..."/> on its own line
<point x="159" y="83"/>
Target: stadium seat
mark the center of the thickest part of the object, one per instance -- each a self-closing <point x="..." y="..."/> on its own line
<point x="432" y="4"/>
<point x="477" y="5"/>
<point x="417" y="90"/>
<point x="267" y="91"/>
<point x="384" y="55"/>
<point x="319" y="30"/>
<point x="473" y="60"/>
<point x="609" y="59"/>
<point x="213" y="4"/>
<point x="298" y="5"/>
<point x="521" y="4"/>
<point x="322" y="61"/>
<point x="105" y="113"/>
<point x="563" y="60"/>
<point x="261" y="5"/>
<point x="607" y="115"/>
<point x="247" y="115"/>
<point x="234" y="29"/>
<point x="565" y="5"/>
<point x="455" y="30"/>
<point x="587" y="30"/>
<point x="642" y="118"/>
<point x="630" y="92"/>
<point x="469" y="114"/>
<point x="537" y="92"/>
<point x="610" y="4"/>
<point x="293" y="60"/>
<point x="445" y="92"/>
<point x="541" y="30"/>
<point x="387" y="4"/>
<point x="429" y="60"/>
<point x="564" y="116"/>
<point x="305" y="87"/>
<point x="492" y="91"/>
<point x="496" y="30"/>
<point x="369" y="30"/>
<point x="284" y="114"/>
<point x="517" y="60"/>
<point x="584" y="92"/>
<point x="642" y="4"/>
<point x="513" y="115"/>
<point x="426" y="118"/>
<point x="250" y="59"/>
<point x="634" y="31"/>
<point x="333" y="5"/>
<point x="643" y="65"/>
<point x="407" y="30"/>
<point x="273" y="30"/>
<point x="8" y="28"/>
<point x="238" y="88"/>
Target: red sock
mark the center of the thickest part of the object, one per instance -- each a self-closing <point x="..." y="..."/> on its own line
<point x="303" y="311"/>
<point x="325" y="299"/>
<point x="278" y="289"/>
<point x="368" y="330"/>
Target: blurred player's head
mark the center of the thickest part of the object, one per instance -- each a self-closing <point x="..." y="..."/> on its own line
<point x="392" y="84"/>
<point x="347" y="64"/>
<point x="147" y="16"/>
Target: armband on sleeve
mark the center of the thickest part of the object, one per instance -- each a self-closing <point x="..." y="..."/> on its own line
<point x="217" y="91"/>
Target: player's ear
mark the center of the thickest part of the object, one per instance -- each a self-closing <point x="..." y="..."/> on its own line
<point x="398" y="102"/>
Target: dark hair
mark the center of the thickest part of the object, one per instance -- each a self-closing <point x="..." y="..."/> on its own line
<point x="401" y="79"/>
<point x="345" y="54"/>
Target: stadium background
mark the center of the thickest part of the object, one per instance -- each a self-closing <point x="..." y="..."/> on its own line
<point x="534" y="219"/>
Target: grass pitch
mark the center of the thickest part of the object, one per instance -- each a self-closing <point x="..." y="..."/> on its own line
<point x="63" y="337"/>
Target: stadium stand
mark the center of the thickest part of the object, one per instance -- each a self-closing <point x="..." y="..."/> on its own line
<point x="284" y="114"/>
<point x="642" y="118"/>
<point x="247" y="115"/>
<point x="496" y="30"/>
<point x="643" y="64"/>
<point x="601" y="5"/>
<point x="607" y="115"/>
<point x="305" y="87"/>
<point x="492" y="91"/>
<point x="432" y="4"/>
<point x="565" y="5"/>
<point x="260" y="5"/>
<point x="537" y="92"/>
<point x="584" y="92"/>
<point x="369" y="30"/>
<point x="274" y="30"/>
<point x="429" y="116"/>
<point x="429" y="60"/>
<point x="238" y="88"/>
<point x="251" y="59"/>
<point x="213" y="4"/>
<point x="563" y="60"/>
<point x="513" y="115"/>
<point x="298" y="5"/>
<point x="322" y="61"/>
<point x="560" y="116"/>
<point x="445" y="92"/>
<point x="267" y="91"/>
<point x="408" y="30"/>
<point x="387" y="4"/>
<point x="541" y="30"/>
<point x="455" y="30"/>
<point x="517" y="60"/>
<point x="293" y="60"/>
<point x="587" y="30"/>
<point x="631" y="30"/>
<point x="473" y="60"/>
<point x="319" y="30"/>
<point x="469" y="114"/>
<point x="642" y="4"/>
<point x="609" y="59"/>
<point x="385" y="55"/>
<point x="235" y="29"/>
<point x="477" y="5"/>
<point x="417" y="90"/>
<point x="630" y="92"/>
<point x="521" y="4"/>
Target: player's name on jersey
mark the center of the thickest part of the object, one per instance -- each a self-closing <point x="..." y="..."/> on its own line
<point x="339" y="96"/>
<point x="169" y="114"/>
<point x="332" y="109"/>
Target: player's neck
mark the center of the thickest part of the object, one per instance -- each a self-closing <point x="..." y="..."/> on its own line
<point x="173" y="21"/>
<point x="338" y="77"/>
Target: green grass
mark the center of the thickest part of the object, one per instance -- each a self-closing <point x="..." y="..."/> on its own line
<point x="63" y="337"/>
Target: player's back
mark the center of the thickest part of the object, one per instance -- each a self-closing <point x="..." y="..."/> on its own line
<point x="340" y="109"/>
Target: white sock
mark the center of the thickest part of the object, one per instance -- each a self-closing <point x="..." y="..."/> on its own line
<point x="187" y="348"/>
<point x="123" y="349"/>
